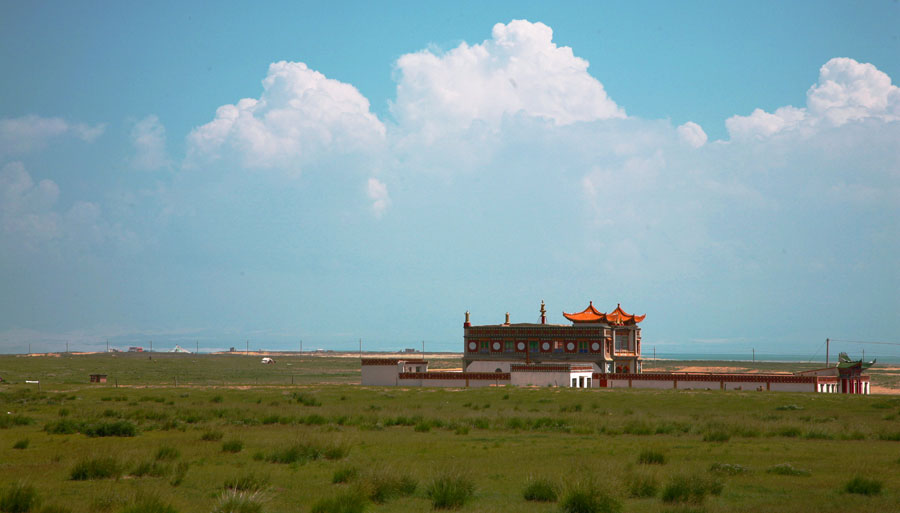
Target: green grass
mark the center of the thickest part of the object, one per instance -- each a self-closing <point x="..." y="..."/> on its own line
<point x="19" y="498"/>
<point x="450" y="490"/>
<point x="498" y="437"/>
<point x="351" y="501"/>
<point x="96" y="468"/>
<point x="651" y="457"/>
<point x="540" y="490"/>
<point x="588" y="497"/>
<point x="864" y="486"/>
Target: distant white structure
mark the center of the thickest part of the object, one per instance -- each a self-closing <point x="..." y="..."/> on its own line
<point x="267" y="360"/>
<point x="179" y="349"/>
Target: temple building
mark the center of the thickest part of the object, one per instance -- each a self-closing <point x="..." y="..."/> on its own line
<point x="598" y="350"/>
<point x="610" y="342"/>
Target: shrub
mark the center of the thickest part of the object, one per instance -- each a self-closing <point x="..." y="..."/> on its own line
<point x="449" y="491"/>
<point x="423" y="427"/>
<point x="350" y="501"/>
<point x="786" y="469"/>
<point x="642" y="486"/>
<point x="386" y="485"/>
<point x="21" y="444"/>
<point x="233" y="446"/>
<point x="344" y="475"/>
<point x="730" y="469"/>
<point x="789" y="407"/>
<point x="19" y="498"/>
<point x="96" y="468"/>
<point x="118" y="428"/>
<point x="890" y="437"/>
<point x="247" y="483"/>
<point x="149" y="504"/>
<point x="235" y="501"/>
<point x="690" y="489"/>
<point x="216" y="399"/>
<point x="62" y="427"/>
<point x="167" y="453"/>
<point x="814" y="434"/>
<point x="651" y="457"/>
<point x="863" y="486"/>
<point x="588" y="498"/>
<point x="540" y="490"/>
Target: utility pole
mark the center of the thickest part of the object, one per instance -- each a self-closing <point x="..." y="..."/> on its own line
<point x="423" y="349"/>
<point x="248" y="348"/>
<point x="301" y="345"/>
<point x="754" y="355"/>
<point x="654" y="353"/>
<point x="151" y="346"/>
<point x="827" y="347"/>
<point x="107" y="345"/>
<point x="198" y="346"/>
<point x="67" y="347"/>
<point x="360" y="348"/>
<point x="29" y="348"/>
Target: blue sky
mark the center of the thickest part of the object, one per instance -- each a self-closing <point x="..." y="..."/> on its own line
<point x="214" y="173"/>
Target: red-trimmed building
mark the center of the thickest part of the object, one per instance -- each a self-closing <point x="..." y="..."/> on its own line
<point x="610" y="342"/>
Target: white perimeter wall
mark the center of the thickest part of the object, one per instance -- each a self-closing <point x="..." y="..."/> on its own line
<point x="489" y="366"/>
<point x="380" y="375"/>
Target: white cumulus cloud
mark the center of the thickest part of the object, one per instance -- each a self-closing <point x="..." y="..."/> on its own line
<point x="520" y="69"/>
<point x="24" y="134"/>
<point x="692" y="134"/>
<point x="148" y="136"/>
<point x="300" y="114"/>
<point x="26" y="208"/>
<point x="378" y="193"/>
<point x="847" y="91"/>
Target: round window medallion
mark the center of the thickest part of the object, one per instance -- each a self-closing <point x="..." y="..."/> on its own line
<point x="472" y="346"/>
<point x="545" y="346"/>
<point x="595" y="346"/>
<point x="521" y="346"/>
<point x="496" y="345"/>
<point x="570" y="346"/>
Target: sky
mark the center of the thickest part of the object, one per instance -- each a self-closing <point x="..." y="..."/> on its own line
<point x="218" y="174"/>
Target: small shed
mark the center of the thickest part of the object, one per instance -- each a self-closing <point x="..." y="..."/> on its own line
<point x="98" y="378"/>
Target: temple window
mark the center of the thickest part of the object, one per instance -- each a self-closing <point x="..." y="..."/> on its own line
<point x="582" y="347"/>
<point x="509" y="346"/>
<point x="484" y="346"/>
<point x="533" y="346"/>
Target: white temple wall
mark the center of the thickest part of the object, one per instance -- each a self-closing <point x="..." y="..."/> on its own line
<point x="541" y="379"/>
<point x="793" y="387"/>
<point x="380" y="375"/>
<point x="489" y="366"/>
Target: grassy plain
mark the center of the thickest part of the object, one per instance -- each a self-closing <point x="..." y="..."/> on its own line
<point x="753" y="451"/>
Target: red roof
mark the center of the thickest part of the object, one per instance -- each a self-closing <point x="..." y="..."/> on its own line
<point x="617" y="316"/>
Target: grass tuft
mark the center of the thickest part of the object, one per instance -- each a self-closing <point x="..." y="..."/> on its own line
<point x="351" y="501"/>
<point x="589" y="498"/>
<point x="652" y="457"/>
<point x="237" y="501"/>
<point x="691" y="489"/>
<point x="21" y="444"/>
<point x="344" y="475"/>
<point x="642" y="486"/>
<point x="247" y="483"/>
<point x="212" y="436"/>
<point x="449" y="491"/>
<point x="106" y="467"/>
<point x="863" y="486"/>
<point x="19" y="498"/>
<point x="386" y="485"/>
<point x="540" y="490"/>
<point x="232" y="446"/>
<point x="167" y="453"/>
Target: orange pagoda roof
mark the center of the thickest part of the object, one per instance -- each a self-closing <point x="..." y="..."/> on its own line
<point x="617" y="316"/>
